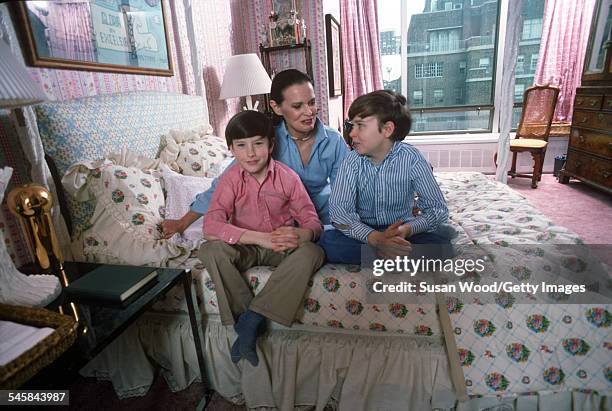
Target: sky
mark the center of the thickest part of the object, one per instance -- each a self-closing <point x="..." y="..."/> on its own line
<point x="389" y="15"/>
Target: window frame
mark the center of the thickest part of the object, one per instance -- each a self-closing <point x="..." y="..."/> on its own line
<point x="493" y="126"/>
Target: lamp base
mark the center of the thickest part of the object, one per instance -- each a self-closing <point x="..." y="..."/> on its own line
<point x="249" y="104"/>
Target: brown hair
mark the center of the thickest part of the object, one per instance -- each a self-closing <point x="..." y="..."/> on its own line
<point x="386" y="105"/>
<point x="247" y="124"/>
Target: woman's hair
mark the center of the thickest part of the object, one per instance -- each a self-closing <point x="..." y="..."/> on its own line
<point x="386" y="105"/>
<point x="284" y="80"/>
<point x="249" y="124"/>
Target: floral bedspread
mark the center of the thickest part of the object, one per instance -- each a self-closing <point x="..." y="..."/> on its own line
<point x="510" y="347"/>
<point x="504" y="347"/>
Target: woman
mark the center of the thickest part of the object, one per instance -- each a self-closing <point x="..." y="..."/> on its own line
<point x="303" y="142"/>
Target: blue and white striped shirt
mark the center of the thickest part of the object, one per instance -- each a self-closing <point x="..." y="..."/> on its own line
<point x="367" y="194"/>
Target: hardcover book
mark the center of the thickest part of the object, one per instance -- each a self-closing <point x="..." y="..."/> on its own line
<point x="112" y="283"/>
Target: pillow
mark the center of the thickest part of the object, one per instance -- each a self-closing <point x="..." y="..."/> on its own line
<point x="129" y="206"/>
<point x="196" y="152"/>
<point x="181" y="190"/>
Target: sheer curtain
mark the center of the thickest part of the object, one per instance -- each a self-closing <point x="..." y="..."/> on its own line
<point x="565" y="33"/>
<point x="360" y="49"/>
<point x="511" y="44"/>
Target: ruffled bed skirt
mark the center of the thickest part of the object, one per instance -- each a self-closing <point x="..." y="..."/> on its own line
<point x="297" y="368"/>
<point x="300" y="369"/>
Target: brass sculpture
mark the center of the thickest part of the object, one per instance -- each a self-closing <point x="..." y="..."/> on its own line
<point x="32" y="203"/>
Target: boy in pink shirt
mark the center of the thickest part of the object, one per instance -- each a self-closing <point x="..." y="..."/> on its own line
<point x="252" y="221"/>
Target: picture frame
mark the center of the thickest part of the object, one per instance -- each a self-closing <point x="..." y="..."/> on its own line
<point x="597" y="63"/>
<point x="103" y="35"/>
<point x="334" y="56"/>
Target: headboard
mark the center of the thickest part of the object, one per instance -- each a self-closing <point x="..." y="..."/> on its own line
<point x="92" y="127"/>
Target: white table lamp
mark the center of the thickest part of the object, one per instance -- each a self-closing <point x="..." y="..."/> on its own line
<point x="245" y="76"/>
<point x="17" y="88"/>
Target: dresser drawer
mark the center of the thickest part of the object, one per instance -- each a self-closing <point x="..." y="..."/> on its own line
<point x="590" y="102"/>
<point x="591" y="168"/>
<point x="593" y="119"/>
<point x="607" y="105"/>
<point x="591" y="141"/>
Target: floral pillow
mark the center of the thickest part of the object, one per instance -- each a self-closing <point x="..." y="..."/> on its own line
<point x="196" y="152"/>
<point x="129" y="208"/>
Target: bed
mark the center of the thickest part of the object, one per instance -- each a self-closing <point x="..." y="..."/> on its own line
<point x="346" y="351"/>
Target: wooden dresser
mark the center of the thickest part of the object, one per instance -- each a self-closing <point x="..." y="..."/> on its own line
<point x="589" y="155"/>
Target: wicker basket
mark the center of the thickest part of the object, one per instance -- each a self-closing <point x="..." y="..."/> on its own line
<point x="24" y="367"/>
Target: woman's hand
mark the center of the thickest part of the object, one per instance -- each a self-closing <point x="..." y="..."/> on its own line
<point x="171" y="227"/>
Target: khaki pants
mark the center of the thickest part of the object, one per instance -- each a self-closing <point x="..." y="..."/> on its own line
<point x="283" y="294"/>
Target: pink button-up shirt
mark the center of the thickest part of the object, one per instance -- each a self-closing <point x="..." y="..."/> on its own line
<point x="240" y="203"/>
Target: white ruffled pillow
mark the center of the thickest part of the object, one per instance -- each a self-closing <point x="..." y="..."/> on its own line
<point x="129" y="208"/>
<point x="196" y="152"/>
<point x="181" y="190"/>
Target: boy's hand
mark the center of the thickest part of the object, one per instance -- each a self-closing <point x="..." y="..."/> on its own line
<point x="392" y="242"/>
<point x="285" y="238"/>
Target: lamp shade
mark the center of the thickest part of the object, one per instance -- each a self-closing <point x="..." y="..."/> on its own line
<point x="244" y="76"/>
<point x="16" y="85"/>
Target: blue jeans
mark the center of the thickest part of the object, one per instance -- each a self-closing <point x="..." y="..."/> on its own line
<point x="346" y="250"/>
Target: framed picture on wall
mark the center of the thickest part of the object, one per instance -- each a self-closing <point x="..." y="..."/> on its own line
<point x="96" y="35"/>
<point x="334" y="56"/>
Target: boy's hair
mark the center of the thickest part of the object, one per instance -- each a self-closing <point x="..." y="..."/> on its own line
<point x="386" y="105"/>
<point x="247" y="124"/>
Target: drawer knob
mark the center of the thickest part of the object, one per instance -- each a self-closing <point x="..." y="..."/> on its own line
<point x="606" y="174"/>
<point x="600" y="117"/>
<point x="578" y="163"/>
<point x="584" y="119"/>
<point x="593" y="102"/>
<point x="581" y="138"/>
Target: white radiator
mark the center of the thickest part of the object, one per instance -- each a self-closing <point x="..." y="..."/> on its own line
<point x="479" y="156"/>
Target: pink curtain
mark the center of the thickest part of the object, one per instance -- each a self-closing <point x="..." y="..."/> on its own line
<point x="360" y="48"/>
<point x="565" y="33"/>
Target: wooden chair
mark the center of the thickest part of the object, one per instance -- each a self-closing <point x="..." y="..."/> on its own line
<point x="539" y="104"/>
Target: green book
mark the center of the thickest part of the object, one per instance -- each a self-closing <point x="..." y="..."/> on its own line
<point x="112" y="283"/>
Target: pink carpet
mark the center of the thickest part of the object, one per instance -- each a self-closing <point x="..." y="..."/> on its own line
<point x="577" y="206"/>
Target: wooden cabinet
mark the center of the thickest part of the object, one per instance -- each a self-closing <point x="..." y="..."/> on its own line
<point x="589" y="156"/>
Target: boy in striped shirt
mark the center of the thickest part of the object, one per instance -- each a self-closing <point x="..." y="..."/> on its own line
<point x="373" y="195"/>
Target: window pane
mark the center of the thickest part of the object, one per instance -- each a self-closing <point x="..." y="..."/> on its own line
<point x="389" y="22"/>
<point x="451" y="46"/>
<point x="469" y="120"/>
<point x="529" y="49"/>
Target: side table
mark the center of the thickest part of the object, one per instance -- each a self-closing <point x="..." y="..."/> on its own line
<point x="100" y="324"/>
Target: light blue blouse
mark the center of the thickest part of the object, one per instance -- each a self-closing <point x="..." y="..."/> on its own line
<point x="327" y="155"/>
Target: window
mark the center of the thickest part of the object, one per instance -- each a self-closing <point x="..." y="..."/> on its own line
<point x="532" y="29"/>
<point x="446" y="63"/>
<point x="438" y="96"/>
<point x="428" y="70"/>
<point x="520" y="64"/>
<point x="534" y="62"/>
<point x="458" y="96"/>
<point x="519" y="89"/>
<point x="462" y="65"/>
<point x="417" y="97"/>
